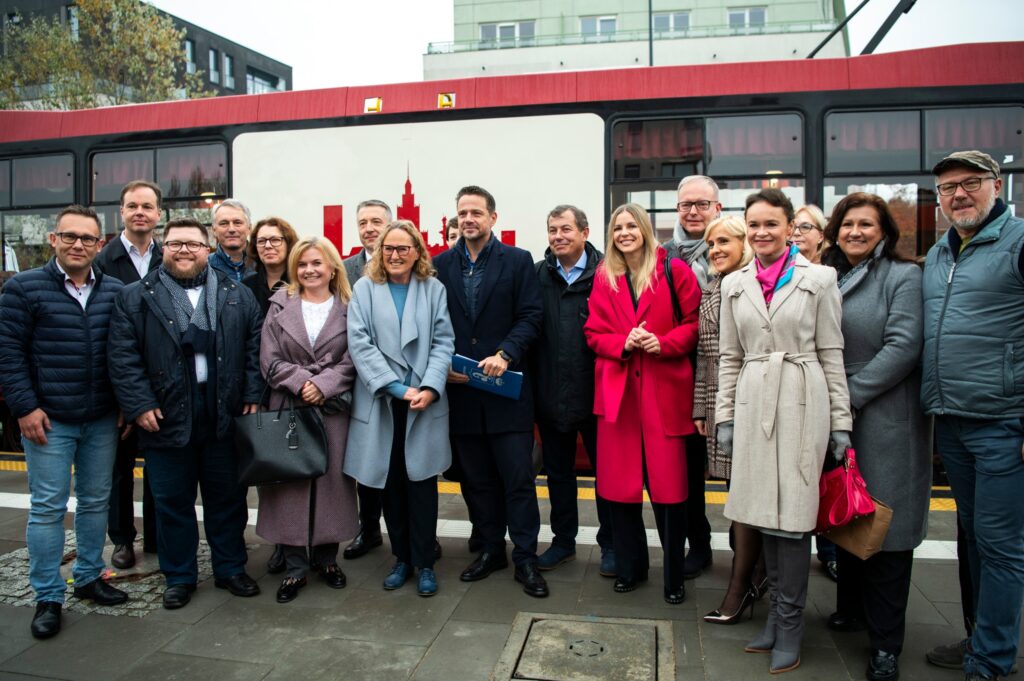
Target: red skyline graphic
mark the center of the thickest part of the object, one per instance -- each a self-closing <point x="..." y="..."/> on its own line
<point x="407" y="209"/>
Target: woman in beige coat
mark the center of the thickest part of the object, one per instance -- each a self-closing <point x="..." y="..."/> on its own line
<point x="782" y="383"/>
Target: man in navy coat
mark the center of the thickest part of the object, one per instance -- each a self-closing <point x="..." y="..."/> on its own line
<point x="496" y="310"/>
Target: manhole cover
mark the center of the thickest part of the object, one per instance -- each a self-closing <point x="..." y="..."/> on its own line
<point x="572" y="648"/>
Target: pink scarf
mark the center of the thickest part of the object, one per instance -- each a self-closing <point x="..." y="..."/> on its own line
<point x="775" y="276"/>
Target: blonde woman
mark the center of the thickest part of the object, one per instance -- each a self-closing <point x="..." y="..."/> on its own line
<point x="809" y="232"/>
<point x="642" y="359"/>
<point x="401" y="340"/>
<point x="305" y="342"/>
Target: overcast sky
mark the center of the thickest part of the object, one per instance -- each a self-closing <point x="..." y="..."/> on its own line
<point x="333" y="43"/>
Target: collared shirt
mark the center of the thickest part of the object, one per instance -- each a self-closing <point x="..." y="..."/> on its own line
<point x="139" y="260"/>
<point x="79" y="293"/>
<point x="575" y="271"/>
<point x="473" y="272"/>
<point x="222" y="262"/>
<point x="202" y="370"/>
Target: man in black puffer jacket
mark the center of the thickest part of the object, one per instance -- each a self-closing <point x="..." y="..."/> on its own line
<point x="54" y="322"/>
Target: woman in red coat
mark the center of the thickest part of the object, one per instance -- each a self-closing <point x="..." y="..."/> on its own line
<point x="643" y="394"/>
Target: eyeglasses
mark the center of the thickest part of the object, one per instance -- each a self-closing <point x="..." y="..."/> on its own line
<point x="804" y="227"/>
<point x="685" y="206"/>
<point x="971" y="184"/>
<point x="272" y="241"/>
<point x="192" y="246"/>
<point x="70" y="238"/>
<point x="400" y="250"/>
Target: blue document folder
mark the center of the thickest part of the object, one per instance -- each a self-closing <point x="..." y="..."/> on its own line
<point x="509" y="384"/>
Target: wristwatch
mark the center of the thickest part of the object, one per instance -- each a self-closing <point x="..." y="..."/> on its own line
<point x="504" y="355"/>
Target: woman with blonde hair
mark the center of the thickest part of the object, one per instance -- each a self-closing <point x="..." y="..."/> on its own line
<point x="642" y="326"/>
<point x="304" y="355"/>
<point x="401" y="340"/>
<point x="809" y="232"/>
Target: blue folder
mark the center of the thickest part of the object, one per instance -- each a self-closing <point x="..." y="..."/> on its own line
<point x="509" y="384"/>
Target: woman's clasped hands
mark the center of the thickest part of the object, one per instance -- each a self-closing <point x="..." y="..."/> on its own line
<point x="639" y="337"/>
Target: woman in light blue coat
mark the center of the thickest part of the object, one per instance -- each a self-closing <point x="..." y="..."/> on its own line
<point x="401" y="342"/>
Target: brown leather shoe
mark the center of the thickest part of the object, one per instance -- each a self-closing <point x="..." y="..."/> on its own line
<point x="123" y="556"/>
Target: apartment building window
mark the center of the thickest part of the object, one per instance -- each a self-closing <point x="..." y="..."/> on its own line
<point x="214" y="66"/>
<point x="259" y="82"/>
<point x="747" y="17"/>
<point x="508" y="34"/>
<point x="190" y="55"/>
<point x="229" y="71"/>
<point x="671" y="22"/>
<point x="597" y="28"/>
<point x="71" y="20"/>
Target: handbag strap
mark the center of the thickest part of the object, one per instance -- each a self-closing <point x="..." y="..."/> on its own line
<point x="677" y="310"/>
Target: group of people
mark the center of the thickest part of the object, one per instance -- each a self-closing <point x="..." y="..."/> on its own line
<point x="757" y="349"/>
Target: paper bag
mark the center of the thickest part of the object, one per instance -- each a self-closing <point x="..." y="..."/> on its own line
<point x="863" y="536"/>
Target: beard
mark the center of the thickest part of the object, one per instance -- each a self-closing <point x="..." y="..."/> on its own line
<point x="982" y="208"/>
<point x="184" y="270"/>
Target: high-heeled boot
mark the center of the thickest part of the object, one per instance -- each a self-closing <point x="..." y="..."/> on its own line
<point x="765" y="641"/>
<point x="793" y="563"/>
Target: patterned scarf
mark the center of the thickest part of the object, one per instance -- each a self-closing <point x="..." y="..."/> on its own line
<point x="851" y="279"/>
<point x="196" y="325"/>
<point x="776" y="275"/>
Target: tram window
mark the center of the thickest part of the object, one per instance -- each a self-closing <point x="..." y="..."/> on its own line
<point x="741" y="145"/>
<point x="43" y="181"/>
<point x="111" y="171"/>
<point x="25" y="238"/>
<point x="658" y="149"/>
<point x="873" y="141"/>
<point x="192" y="170"/>
<point x="5" y="184"/>
<point x="198" y="210"/>
<point x="911" y="200"/>
<point x="998" y="131"/>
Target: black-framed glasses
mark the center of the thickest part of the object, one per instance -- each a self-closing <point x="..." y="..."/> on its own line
<point x="70" y="238"/>
<point x="273" y="241"/>
<point x="685" y="206"/>
<point x="971" y="184"/>
<point x="400" y="250"/>
<point x="804" y="227"/>
<point x="190" y="246"/>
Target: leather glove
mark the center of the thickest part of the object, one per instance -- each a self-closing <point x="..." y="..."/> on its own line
<point x="840" y="442"/>
<point x="724" y="437"/>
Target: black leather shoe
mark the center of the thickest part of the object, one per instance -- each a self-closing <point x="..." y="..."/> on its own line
<point x="533" y="583"/>
<point x="239" y="585"/>
<point x="101" y="593"/>
<point x="837" y="621"/>
<point x="696" y="562"/>
<point x="46" y="621"/>
<point x="675" y="596"/>
<point x="362" y="544"/>
<point x="178" y="595"/>
<point x="623" y="585"/>
<point x="123" y="556"/>
<point x="437" y="549"/>
<point x="883" y="666"/>
<point x="333" y="576"/>
<point x="289" y="589"/>
<point x="485" y="564"/>
<point x="275" y="565"/>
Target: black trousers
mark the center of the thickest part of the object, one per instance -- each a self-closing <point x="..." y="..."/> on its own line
<point x="698" y="529"/>
<point x="500" y="490"/>
<point x="560" y="465"/>
<point x="410" y="506"/>
<point x="876" y="590"/>
<point x="632" y="560"/>
<point x="121" y="516"/>
<point x="370" y="504"/>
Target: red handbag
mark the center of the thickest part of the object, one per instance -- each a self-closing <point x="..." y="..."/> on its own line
<point x="844" y="495"/>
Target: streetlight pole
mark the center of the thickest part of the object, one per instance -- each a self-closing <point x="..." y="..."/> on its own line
<point x="650" y="32"/>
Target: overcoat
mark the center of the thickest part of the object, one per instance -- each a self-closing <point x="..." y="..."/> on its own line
<point x="643" y="402"/>
<point x="781" y="382"/>
<point x="385" y="351"/>
<point x="705" y="387"/>
<point x="883" y="332"/>
<point x="285" y="509"/>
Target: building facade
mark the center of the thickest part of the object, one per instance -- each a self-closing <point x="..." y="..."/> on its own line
<point x="502" y="37"/>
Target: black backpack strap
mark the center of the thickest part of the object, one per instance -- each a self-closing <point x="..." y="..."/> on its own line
<point x="677" y="310"/>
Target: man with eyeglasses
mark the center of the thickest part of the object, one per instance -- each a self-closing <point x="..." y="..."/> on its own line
<point x="54" y="324"/>
<point x="184" y="360"/>
<point x="232" y="223"/>
<point x="129" y="257"/>
<point x="973" y="382"/>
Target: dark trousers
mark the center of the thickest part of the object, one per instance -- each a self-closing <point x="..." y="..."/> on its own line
<point x="500" y="490"/>
<point x="370" y="502"/>
<point x="121" y="516"/>
<point x="698" y="529"/>
<point x="559" y="448"/>
<point x="410" y="506"/>
<point x="964" y="573"/>
<point x="876" y="590"/>
<point x="630" y="537"/>
<point x="297" y="558"/>
<point x="174" y="473"/>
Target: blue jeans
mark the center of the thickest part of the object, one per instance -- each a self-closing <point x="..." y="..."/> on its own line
<point x="89" y="447"/>
<point x="986" y="473"/>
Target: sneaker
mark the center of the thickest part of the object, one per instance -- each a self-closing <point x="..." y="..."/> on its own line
<point x="608" y="563"/>
<point x="428" y="583"/>
<point x="949" y="656"/>
<point x="555" y="556"/>
<point x="399" y="573"/>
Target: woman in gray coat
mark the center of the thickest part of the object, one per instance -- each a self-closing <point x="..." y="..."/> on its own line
<point x="401" y="340"/>
<point x="882" y="329"/>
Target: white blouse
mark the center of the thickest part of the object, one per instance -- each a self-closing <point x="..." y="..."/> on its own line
<point x="314" y="315"/>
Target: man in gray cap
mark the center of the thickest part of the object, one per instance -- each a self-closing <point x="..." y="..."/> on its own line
<point x="973" y="383"/>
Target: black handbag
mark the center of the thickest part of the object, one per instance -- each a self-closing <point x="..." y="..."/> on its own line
<point x="286" y="445"/>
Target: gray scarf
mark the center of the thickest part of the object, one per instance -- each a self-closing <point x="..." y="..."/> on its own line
<point x="203" y="317"/>
<point x="854" y="277"/>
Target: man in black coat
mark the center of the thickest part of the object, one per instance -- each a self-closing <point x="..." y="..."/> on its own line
<point x="563" y="375"/>
<point x="496" y="312"/>
<point x="184" y="360"/>
<point x="130" y="256"/>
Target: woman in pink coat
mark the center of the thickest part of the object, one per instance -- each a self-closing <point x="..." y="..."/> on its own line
<point x="643" y="393"/>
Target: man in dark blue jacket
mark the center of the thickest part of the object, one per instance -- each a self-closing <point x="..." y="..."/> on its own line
<point x="54" y="322"/>
<point x="184" y="360"/>
<point x="496" y="311"/>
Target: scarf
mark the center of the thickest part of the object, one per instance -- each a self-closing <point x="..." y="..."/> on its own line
<point x="851" y="279"/>
<point x="776" y="275"/>
<point x="198" y="324"/>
